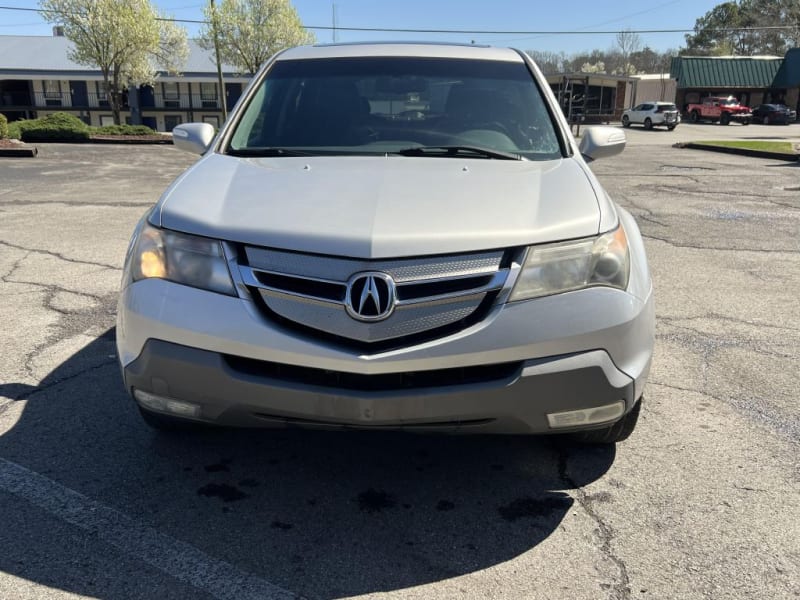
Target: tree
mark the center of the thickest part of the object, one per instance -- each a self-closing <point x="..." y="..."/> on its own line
<point x="549" y="62"/>
<point x="628" y="42"/>
<point x="576" y="62"/>
<point x="648" y="60"/>
<point x="123" y="38"/>
<point x="745" y="28"/>
<point x="719" y="32"/>
<point x="784" y="14"/>
<point x="250" y="31"/>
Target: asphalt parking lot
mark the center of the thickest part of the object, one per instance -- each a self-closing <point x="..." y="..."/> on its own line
<point x="703" y="501"/>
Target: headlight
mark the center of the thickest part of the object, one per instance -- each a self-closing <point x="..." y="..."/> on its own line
<point x="554" y="268"/>
<point x="187" y="259"/>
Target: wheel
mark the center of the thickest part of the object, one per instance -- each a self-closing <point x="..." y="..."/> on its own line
<point x="648" y="124"/>
<point x="166" y="423"/>
<point x="694" y="116"/>
<point x="725" y="119"/>
<point x="626" y="122"/>
<point x="618" y="432"/>
<point x="765" y="120"/>
<point x="671" y="127"/>
<point x="746" y="122"/>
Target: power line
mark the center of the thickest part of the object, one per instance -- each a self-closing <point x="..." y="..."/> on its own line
<point x="470" y="31"/>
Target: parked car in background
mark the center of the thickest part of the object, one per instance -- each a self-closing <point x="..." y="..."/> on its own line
<point x="792" y="112"/>
<point x="651" y="114"/>
<point x="721" y="110"/>
<point x="391" y="236"/>
<point x="771" y="114"/>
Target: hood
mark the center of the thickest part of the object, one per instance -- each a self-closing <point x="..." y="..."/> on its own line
<point x="382" y="207"/>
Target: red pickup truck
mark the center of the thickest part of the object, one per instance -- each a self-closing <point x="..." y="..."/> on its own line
<point x="719" y="109"/>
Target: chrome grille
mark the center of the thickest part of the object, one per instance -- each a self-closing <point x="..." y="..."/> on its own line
<point x="340" y="269"/>
<point x="432" y="292"/>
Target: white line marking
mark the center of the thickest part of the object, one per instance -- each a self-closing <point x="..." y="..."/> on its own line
<point x="177" y="559"/>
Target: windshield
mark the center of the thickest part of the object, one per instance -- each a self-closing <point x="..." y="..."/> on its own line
<point x="729" y="102"/>
<point x="388" y="105"/>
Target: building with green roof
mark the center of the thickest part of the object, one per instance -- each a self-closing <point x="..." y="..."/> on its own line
<point x="752" y="79"/>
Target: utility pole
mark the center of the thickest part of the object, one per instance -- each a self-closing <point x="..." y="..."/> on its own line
<point x="333" y="11"/>
<point x="223" y="101"/>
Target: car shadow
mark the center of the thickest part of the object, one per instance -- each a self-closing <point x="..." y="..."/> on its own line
<point x="320" y="513"/>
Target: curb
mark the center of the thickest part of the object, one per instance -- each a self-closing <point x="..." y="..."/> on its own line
<point x="740" y="151"/>
<point x="19" y="152"/>
<point x="109" y="140"/>
<point x="102" y="140"/>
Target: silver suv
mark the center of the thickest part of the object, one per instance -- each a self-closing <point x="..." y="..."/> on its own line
<point x="397" y="236"/>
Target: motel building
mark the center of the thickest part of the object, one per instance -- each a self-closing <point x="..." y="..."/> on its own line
<point x="37" y="78"/>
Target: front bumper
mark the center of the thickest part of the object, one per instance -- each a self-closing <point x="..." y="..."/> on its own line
<point x="576" y="350"/>
<point x="515" y="400"/>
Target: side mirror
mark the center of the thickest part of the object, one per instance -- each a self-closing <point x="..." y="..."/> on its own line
<point x="601" y="142"/>
<point x="193" y="137"/>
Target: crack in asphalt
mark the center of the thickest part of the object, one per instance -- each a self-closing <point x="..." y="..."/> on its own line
<point x="776" y="423"/>
<point x="622" y="589"/>
<point x="649" y="215"/>
<point x="717" y="248"/>
<point x="710" y="343"/>
<point x="32" y="390"/>
<point x="14" y="267"/>
<point x="709" y="192"/>
<point x="60" y="256"/>
<point x="718" y="317"/>
<point x="48" y="287"/>
<point x="79" y="203"/>
<point x="70" y="322"/>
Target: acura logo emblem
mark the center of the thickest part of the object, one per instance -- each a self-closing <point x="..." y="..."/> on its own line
<point x="370" y="296"/>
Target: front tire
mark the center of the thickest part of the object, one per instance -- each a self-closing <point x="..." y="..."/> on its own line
<point x="648" y="124"/>
<point x="694" y="116"/>
<point x="765" y="120"/>
<point x="618" y="432"/>
<point x="725" y="119"/>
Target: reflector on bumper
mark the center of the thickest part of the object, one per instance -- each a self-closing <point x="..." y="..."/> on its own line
<point x="587" y="416"/>
<point x="168" y="405"/>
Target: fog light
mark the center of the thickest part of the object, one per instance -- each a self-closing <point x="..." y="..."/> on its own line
<point x="586" y="416"/>
<point x="164" y="404"/>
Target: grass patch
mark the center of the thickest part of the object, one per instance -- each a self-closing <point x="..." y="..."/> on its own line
<point x="763" y="146"/>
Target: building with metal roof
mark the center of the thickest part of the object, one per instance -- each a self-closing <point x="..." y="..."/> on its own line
<point x="592" y="97"/>
<point x="37" y="77"/>
<point x="752" y="79"/>
<point x="789" y="74"/>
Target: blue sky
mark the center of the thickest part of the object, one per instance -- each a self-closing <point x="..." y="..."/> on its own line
<point x="498" y="15"/>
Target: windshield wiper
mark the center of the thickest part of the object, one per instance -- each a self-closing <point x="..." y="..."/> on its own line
<point x="267" y="151"/>
<point x="450" y="151"/>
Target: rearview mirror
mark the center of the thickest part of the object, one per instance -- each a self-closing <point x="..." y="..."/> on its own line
<point x="602" y="142"/>
<point x="193" y="137"/>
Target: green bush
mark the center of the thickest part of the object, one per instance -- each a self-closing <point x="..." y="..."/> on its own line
<point x="56" y="127"/>
<point x="3" y="126"/>
<point x="14" y="132"/>
<point x="64" y="127"/>
<point x="123" y="130"/>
